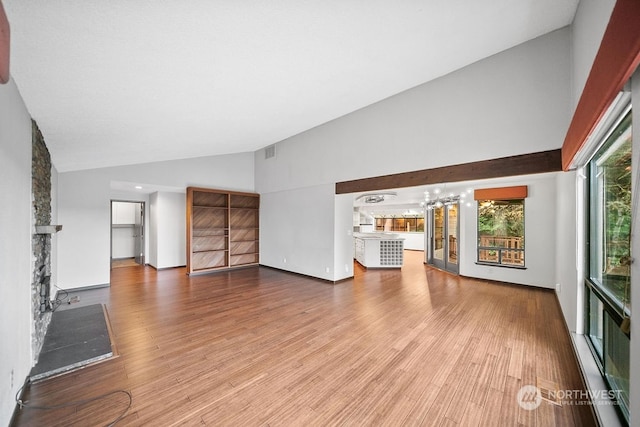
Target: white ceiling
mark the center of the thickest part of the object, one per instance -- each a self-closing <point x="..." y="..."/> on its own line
<point x="123" y="82"/>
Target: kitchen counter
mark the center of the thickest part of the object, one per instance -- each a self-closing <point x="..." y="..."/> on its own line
<point x="378" y="250"/>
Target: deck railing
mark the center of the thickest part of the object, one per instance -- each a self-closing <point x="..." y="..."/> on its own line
<point x="501" y="250"/>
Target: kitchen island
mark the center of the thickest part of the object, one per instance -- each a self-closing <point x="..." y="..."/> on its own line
<point x="378" y="250"/>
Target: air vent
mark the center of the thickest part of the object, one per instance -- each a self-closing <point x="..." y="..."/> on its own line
<point x="270" y="151"/>
<point x="549" y="391"/>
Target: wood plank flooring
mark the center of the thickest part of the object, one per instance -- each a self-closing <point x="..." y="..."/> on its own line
<point x="258" y="346"/>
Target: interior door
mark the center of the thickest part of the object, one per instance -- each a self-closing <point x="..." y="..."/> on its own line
<point x="138" y="234"/>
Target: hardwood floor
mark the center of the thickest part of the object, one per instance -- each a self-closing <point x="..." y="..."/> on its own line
<point x="258" y="346"/>
<point x="124" y="262"/>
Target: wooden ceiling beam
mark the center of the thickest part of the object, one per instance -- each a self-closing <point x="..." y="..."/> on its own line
<point x="524" y="164"/>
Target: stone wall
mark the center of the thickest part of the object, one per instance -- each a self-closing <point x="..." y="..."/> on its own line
<point x="41" y="243"/>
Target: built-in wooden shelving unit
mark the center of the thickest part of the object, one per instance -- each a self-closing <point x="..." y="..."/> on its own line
<point x="222" y="229"/>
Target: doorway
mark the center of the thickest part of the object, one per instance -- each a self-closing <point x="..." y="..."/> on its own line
<point x="127" y="233"/>
<point x="443" y="237"/>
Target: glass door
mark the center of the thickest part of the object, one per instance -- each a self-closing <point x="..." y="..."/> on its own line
<point x="437" y="239"/>
<point x="443" y="245"/>
<point x="452" y="238"/>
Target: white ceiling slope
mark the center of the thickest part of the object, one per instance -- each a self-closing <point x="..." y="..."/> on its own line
<point x="122" y="82"/>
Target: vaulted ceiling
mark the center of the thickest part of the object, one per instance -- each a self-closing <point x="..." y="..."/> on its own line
<point x="123" y="82"/>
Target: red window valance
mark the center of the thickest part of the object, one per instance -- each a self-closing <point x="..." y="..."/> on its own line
<point x="4" y="46"/>
<point x="501" y="193"/>
<point x="616" y="60"/>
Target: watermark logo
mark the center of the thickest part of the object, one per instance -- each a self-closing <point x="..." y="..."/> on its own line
<point x="529" y="397"/>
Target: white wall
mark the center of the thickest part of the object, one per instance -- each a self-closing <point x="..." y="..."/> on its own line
<point x="587" y="29"/>
<point x="84" y="206"/>
<point x="567" y="249"/>
<point x="15" y="247"/>
<point x="297" y="231"/>
<point x="343" y="238"/>
<point x="540" y="234"/>
<point x="493" y="108"/>
<point x="512" y="103"/>
<point x="84" y="242"/>
<point x="122" y="243"/>
<point x="54" y="237"/>
<point x="152" y="231"/>
<point x="123" y="216"/>
<point x="413" y="241"/>
<point x="136" y="197"/>
<point x="168" y="225"/>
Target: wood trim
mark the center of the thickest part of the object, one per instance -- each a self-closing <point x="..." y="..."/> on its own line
<point x="616" y="60"/>
<point x="524" y="164"/>
<point x="220" y="191"/>
<point x="501" y="193"/>
<point x="228" y="235"/>
<point x="5" y="44"/>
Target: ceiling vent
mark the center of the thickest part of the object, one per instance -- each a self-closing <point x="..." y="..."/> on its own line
<point x="270" y="151"/>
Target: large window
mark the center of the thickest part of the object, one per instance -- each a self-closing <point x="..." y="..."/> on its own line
<point x="608" y="282"/>
<point x="406" y="224"/>
<point x="501" y="232"/>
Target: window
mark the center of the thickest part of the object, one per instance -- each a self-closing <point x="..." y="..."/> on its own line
<point x="608" y="281"/>
<point x="501" y="232"/>
<point x="610" y="216"/>
<point x="406" y="224"/>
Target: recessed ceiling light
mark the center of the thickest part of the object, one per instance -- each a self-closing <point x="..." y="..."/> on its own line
<point x="138" y="187"/>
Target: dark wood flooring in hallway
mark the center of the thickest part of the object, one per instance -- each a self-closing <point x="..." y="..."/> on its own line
<point x="258" y="346"/>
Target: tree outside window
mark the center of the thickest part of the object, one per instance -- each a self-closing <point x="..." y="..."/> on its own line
<point x="501" y="232"/>
<point x="611" y="214"/>
<point x="608" y="283"/>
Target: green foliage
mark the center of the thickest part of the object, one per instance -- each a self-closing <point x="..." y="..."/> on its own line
<point x="504" y="218"/>
<point x="617" y="202"/>
<point x="612" y="211"/>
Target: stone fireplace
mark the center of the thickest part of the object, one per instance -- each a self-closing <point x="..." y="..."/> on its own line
<point x="41" y="239"/>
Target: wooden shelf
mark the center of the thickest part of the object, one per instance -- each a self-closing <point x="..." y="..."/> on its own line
<point x="211" y="207"/>
<point x="244" y="259"/>
<point x="223" y="229"/>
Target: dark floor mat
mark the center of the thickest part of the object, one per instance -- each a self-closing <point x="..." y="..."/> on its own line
<point x="75" y="338"/>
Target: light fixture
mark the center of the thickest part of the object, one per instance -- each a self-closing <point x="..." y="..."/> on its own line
<point x="377" y="197"/>
<point x="449" y="200"/>
<point x="138" y="187"/>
